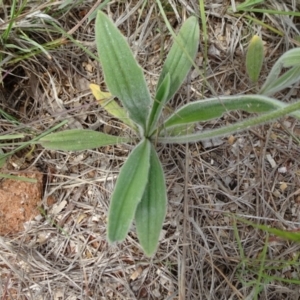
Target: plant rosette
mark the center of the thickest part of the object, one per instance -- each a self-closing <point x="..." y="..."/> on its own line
<point x="140" y="191"/>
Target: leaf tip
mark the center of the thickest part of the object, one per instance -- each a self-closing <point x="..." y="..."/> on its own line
<point x="254" y="58"/>
<point x="255" y="39"/>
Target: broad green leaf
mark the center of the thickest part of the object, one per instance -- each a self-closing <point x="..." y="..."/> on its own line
<point x="208" y="109"/>
<point x="110" y="105"/>
<point x="254" y="58"/>
<point x="290" y="59"/>
<point x="161" y="98"/>
<point x="290" y="109"/>
<point x="128" y="192"/>
<point x="151" y="211"/>
<point x="79" y="139"/>
<point x="123" y="76"/>
<point x="178" y="62"/>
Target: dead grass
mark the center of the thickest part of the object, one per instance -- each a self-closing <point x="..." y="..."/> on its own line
<point x="204" y="252"/>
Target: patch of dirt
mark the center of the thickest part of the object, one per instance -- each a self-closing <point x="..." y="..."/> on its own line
<point x="19" y="201"/>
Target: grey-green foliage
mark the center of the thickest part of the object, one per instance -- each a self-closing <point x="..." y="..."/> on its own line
<point x="140" y="191"/>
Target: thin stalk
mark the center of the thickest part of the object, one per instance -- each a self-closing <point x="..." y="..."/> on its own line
<point x="272" y="12"/>
<point x="260" y="23"/>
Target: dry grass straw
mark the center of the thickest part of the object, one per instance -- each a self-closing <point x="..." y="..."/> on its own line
<point x="204" y="252"/>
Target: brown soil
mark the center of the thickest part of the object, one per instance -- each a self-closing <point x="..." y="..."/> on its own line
<point x="19" y="201"/>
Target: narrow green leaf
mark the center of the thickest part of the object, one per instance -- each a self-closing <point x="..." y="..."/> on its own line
<point x="290" y="59"/>
<point x="204" y="110"/>
<point x="151" y="211"/>
<point x="31" y="142"/>
<point x="161" y="98"/>
<point x="285" y="80"/>
<point x="239" y="126"/>
<point x="11" y="136"/>
<point x="36" y="45"/>
<point x="273" y="75"/>
<point x="248" y="4"/>
<point x="128" y="192"/>
<point x="79" y="139"/>
<point x="3" y="158"/>
<point x="20" y="178"/>
<point x="100" y="7"/>
<point x="123" y="76"/>
<point x="8" y="117"/>
<point x="254" y="58"/>
<point x="291" y="235"/>
<point x="178" y="62"/>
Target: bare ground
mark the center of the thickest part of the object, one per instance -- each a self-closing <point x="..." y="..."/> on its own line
<point x="206" y="251"/>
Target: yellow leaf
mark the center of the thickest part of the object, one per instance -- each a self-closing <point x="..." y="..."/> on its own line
<point x="111" y="106"/>
<point x="98" y="94"/>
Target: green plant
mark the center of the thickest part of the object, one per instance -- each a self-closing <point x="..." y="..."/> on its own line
<point x="260" y="269"/>
<point x="140" y="191"/>
<point x="30" y="28"/>
<point x="249" y="6"/>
